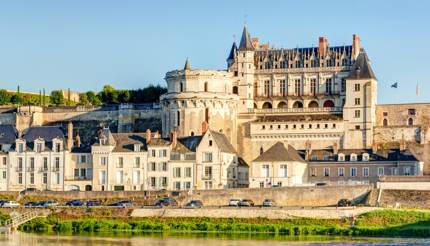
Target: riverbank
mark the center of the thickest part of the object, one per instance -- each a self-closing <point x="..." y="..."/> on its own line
<point x="385" y="223"/>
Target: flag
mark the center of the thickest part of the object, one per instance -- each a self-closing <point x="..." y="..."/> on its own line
<point x="395" y="85"/>
<point x="417" y="90"/>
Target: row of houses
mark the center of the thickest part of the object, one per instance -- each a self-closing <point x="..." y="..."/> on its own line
<point x="49" y="158"/>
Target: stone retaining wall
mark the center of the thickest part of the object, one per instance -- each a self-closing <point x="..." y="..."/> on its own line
<point x="269" y="213"/>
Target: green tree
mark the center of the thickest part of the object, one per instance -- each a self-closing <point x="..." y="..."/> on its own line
<point x="4" y="97"/>
<point x="57" y="97"/>
<point x="16" y="99"/>
<point x="123" y="96"/>
<point x="108" y="95"/>
<point x="83" y="99"/>
<point x="93" y="99"/>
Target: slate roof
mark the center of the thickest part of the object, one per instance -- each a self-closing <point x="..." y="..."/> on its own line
<point x="187" y="65"/>
<point x="125" y="141"/>
<point x="279" y="152"/>
<point x="47" y="133"/>
<point x="325" y="155"/>
<point x="191" y="143"/>
<point x="245" y="41"/>
<point x="8" y="134"/>
<point x="361" y="68"/>
<point x="222" y="142"/>
<point x="232" y="54"/>
<point x="105" y="133"/>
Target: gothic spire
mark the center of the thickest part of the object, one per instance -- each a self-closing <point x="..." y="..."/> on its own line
<point x="232" y="54"/>
<point x="187" y="65"/>
<point x="245" y="41"/>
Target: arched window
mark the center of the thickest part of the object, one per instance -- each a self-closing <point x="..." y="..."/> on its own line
<point x="385" y="122"/>
<point x="313" y="104"/>
<point x="410" y="122"/>
<point x="207" y="115"/>
<point x="282" y="105"/>
<point x="255" y="105"/>
<point x="261" y="150"/>
<point x="206" y="86"/>
<point x="235" y="90"/>
<point x="267" y="105"/>
<point x="192" y="133"/>
<point x="181" y="87"/>
<point x="297" y="104"/>
<point x="328" y="104"/>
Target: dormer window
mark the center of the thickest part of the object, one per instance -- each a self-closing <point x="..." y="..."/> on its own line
<point x="20" y="147"/>
<point x="57" y="147"/>
<point x="137" y="148"/>
<point x="365" y="156"/>
<point x="353" y="157"/>
<point x="341" y="157"/>
<point x="38" y="147"/>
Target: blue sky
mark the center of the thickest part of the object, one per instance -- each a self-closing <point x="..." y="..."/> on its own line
<point x="85" y="44"/>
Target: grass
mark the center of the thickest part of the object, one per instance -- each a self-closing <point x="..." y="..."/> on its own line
<point x="405" y="223"/>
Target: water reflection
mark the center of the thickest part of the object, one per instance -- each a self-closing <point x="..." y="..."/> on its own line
<point x="190" y="239"/>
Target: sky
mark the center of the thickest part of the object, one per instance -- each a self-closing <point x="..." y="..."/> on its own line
<point x="83" y="45"/>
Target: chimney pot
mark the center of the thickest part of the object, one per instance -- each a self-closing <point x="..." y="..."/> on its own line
<point x="323" y="46"/>
<point x="148" y="136"/>
<point x="70" y="135"/>
<point x="335" y="148"/>
<point x="174" y="138"/>
<point x="355" y="46"/>
<point x="205" y="127"/>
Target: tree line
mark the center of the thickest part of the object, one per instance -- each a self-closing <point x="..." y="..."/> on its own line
<point x="108" y="95"/>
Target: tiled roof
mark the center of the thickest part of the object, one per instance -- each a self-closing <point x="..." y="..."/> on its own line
<point x="361" y="68"/>
<point x="278" y="152"/>
<point x="8" y="134"/>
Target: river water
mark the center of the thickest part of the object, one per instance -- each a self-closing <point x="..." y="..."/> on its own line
<point x="21" y="239"/>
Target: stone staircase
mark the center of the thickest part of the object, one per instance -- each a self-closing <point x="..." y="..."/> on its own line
<point x="17" y="219"/>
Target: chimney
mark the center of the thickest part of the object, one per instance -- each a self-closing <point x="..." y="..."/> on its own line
<point x="308" y="151"/>
<point x="148" y="136"/>
<point x="374" y="148"/>
<point x="335" y="148"/>
<point x="355" y="46"/>
<point x="156" y="134"/>
<point x="402" y="145"/>
<point x="174" y="138"/>
<point x="323" y="46"/>
<point x="255" y="43"/>
<point x="69" y="135"/>
<point x="205" y="127"/>
<point x="78" y="140"/>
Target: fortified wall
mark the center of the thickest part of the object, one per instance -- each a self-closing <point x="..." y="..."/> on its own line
<point x="119" y="118"/>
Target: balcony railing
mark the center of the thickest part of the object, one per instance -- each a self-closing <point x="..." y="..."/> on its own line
<point x="43" y="169"/>
<point x="55" y="169"/>
<point x="295" y="110"/>
<point x="19" y="169"/>
<point x="207" y="177"/>
<point x="30" y="169"/>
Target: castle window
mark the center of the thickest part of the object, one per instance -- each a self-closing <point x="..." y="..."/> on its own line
<point x="357" y="101"/>
<point x="286" y="126"/>
<point x="313" y="87"/>
<point x="341" y="171"/>
<point x="271" y="127"/>
<point x="357" y="127"/>
<point x="297" y="87"/>
<point x="261" y="150"/>
<point x="263" y="127"/>
<point x="282" y="88"/>
<point x="210" y="142"/>
<point x="385" y="113"/>
<point x="385" y="122"/>
<point x="192" y="133"/>
<point x="410" y="122"/>
<point x="310" y="126"/>
<point x="326" y="171"/>
<point x="235" y="90"/>
<point x="365" y="171"/>
<point x="334" y="125"/>
<point x="267" y="88"/>
<point x="236" y="73"/>
<point x="328" y="86"/>
<point x="178" y="118"/>
<point x="357" y="87"/>
<point x="206" y="86"/>
<point x="343" y="85"/>
<point x="318" y="126"/>
<point x="302" y="126"/>
<point x="181" y="87"/>
<point x="325" y="126"/>
<point x="353" y="157"/>
<point x="279" y="126"/>
<point x="294" y="126"/>
<point x="365" y="156"/>
<point x="341" y="157"/>
<point x="353" y="171"/>
<point x="207" y="115"/>
<point x="357" y="114"/>
<point x="411" y="111"/>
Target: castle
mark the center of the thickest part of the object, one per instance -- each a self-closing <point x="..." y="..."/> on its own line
<point x="322" y="96"/>
<point x="274" y="117"/>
